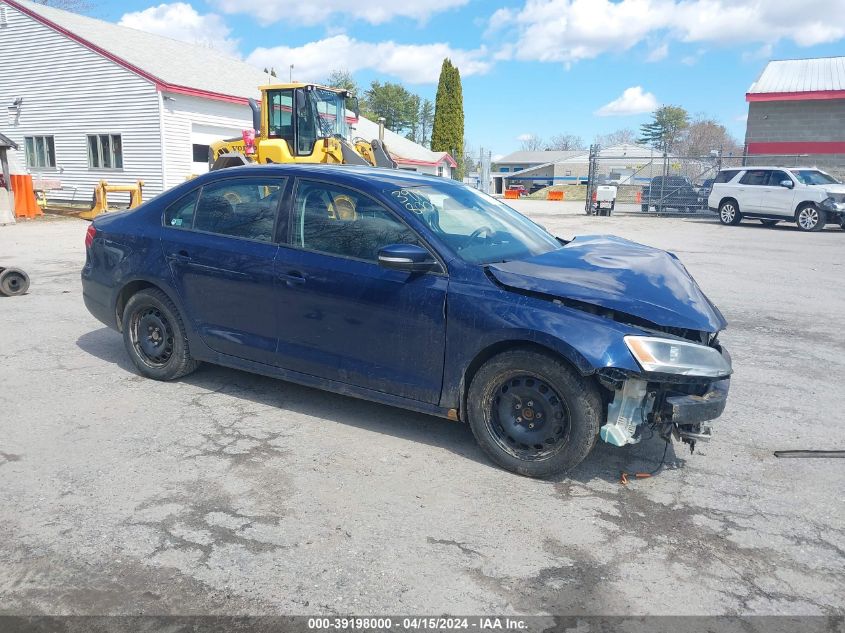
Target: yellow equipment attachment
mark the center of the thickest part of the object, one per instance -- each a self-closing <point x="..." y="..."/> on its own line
<point x="101" y="200"/>
<point x="300" y="123"/>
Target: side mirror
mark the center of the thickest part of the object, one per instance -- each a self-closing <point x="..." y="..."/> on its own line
<point x="787" y="183"/>
<point x="406" y="257"/>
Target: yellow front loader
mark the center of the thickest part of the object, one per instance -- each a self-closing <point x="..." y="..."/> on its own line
<point x="301" y="123"/>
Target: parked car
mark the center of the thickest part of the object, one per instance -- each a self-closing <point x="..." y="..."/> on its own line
<point x="417" y="292"/>
<point x="704" y="192"/>
<point x="673" y="192"/>
<point x="519" y="188"/>
<point x="807" y="196"/>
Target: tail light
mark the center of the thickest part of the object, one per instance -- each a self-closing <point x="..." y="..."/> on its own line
<point x="90" y="234"/>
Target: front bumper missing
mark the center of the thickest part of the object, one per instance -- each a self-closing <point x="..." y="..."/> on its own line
<point x="684" y="409"/>
<point x="672" y="409"/>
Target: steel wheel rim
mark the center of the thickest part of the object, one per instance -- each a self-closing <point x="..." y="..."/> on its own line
<point x="728" y="213"/>
<point x="808" y="218"/>
<point x="152" y="336"/>
<point x="528" y="419"/>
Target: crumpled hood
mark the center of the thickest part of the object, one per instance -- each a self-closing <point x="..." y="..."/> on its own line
<point x="840" y="189"/>
<point x="618" y="274"/>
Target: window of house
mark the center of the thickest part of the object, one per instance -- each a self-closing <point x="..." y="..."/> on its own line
<point x="242" y="207"/>
<point x="105" y="151"/>
<point x="40" y="151"/>
<point x="200" y="153"/>
<point x="440" y="170"/>
<point x="340" y="221"/>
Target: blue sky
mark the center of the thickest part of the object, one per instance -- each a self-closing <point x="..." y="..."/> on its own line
<point x="541" y="67"/>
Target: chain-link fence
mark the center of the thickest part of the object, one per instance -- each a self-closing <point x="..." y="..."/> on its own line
<point x="663" y="183"/>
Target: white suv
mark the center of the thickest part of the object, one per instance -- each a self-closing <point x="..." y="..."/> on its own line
<point x="804" y="195"/>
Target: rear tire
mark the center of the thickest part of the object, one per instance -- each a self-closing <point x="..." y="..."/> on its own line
<point x="532" y="414"/>
<point x="155" y="338"/>
<point x="13" y="282"/>
<point x="729" y="214"/>
<point x="810" y="218"/>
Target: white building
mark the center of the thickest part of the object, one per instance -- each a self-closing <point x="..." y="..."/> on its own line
<point x="89" y="100"/>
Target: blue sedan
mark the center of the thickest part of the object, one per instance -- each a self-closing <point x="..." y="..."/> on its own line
<point x="417" y="292"/>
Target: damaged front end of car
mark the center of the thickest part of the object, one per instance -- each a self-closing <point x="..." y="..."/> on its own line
<point x="680" y="374"/>
<point x="683" y="386"/>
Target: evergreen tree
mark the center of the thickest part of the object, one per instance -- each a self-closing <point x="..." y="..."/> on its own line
<point x="447" y="134"/>
<point x="395" y="103"/>
<point x="666" y="128"/>
<point x="426" y="121"/>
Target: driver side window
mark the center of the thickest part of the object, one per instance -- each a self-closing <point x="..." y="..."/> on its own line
<point x="339" y="221"/>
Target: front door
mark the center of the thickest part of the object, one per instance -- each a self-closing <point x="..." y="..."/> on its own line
<point x="345" y="318"/>
<point x="775" y="199"/>
<point x="220" y="244"/>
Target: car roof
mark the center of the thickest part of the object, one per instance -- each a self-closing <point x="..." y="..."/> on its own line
<point x="745" y="167"/>
<point x="352" y="175"/>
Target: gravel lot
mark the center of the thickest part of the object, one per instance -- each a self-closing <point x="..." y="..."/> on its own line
<point x="231" y="493"/>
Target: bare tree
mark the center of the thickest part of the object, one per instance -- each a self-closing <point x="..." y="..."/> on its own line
<point x="625" y="136"/>
<point x="566" y="142"/>
<point x="705" y="135"/>
<point x="77" y="6"/>
<point x="532" y="143"/>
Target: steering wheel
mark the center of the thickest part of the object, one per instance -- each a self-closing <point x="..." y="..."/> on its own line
<point x="481" y="230"/>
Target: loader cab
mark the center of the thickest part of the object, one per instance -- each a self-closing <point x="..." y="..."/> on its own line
<point x="302" y="114"/>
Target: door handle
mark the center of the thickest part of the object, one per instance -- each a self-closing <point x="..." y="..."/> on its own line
<point x="181" y="257"/>
<point x="292" y="278"/>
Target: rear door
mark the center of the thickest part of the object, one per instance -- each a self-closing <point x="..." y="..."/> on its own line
<point x="775" y="199"/>
<point x="749" y="190"/>
<point x="220" y="243"/>
<point x="341" y="315"/>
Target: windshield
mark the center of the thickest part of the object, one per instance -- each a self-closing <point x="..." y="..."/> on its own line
<point x="814" y="177"/>
<point x="330" y="109"/>
<point x="480" y="229"/>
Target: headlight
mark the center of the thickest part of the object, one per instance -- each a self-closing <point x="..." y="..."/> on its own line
<point x="668" y="356"/>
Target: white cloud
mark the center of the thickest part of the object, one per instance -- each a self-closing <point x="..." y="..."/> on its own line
<point x="310" y="12"/>
<point x="764" y="52"/>
<point x="571" y="30"/>
<point x="412" y="63"/>
<point x="181" y="21"/>
<point x="525" y="137"/>
<point x="632" y="101"/>
<point x="658" y="54"/>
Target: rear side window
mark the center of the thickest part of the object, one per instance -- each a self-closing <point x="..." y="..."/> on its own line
<point x="242" y="207"/>
<point x="726" y="175"/>
<point x="181" y="213"/>
<point x="757" y="177"/>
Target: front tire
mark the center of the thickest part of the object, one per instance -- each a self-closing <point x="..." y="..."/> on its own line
<point x="155" y="338"/>
<point x="532" y="414"/>
<point x="729" y="214"/>
<point x="810" y="218"/>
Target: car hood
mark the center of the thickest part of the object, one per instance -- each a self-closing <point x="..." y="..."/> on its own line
<point x="618" y="274"/>
<point x="831" y="188"/>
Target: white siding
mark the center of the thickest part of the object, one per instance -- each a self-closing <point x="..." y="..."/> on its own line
<point x="68" y="92"/>
<point x="191" y="119"/>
